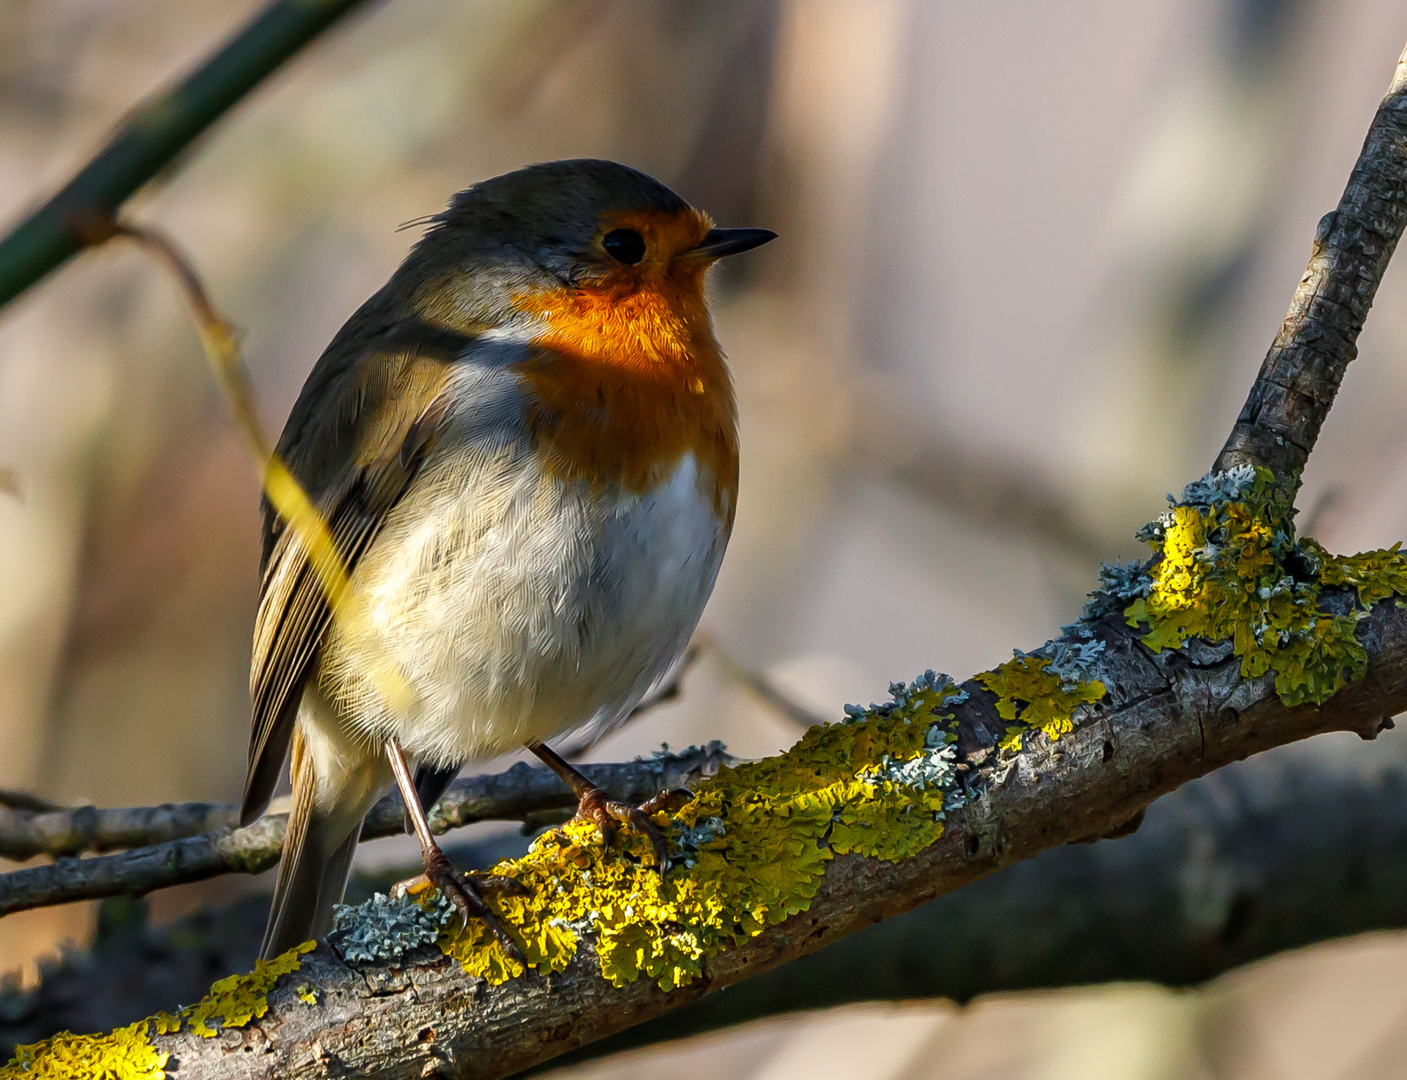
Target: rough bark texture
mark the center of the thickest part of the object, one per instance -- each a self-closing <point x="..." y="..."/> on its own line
<point x="1273" y="853"/>
<point x="1281" y="419"/>
<point x="1167" y="719"/>
<point x="1260" y="857"/>
<point x="522" y="793"/>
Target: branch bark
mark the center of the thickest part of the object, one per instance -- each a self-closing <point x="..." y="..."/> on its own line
<point x="1168" y="718"/>
<point x="522" y="793"/>
<point x="154" y="133"/>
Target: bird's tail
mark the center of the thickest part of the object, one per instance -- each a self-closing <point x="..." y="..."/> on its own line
<point x="317" y="860"/>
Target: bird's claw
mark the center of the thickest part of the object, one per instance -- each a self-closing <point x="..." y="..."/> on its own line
<point x="465" y="891"/>
<point x="594" y="806"/>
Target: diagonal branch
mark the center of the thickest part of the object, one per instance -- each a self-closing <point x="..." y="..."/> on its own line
<point x="154" y="133"/>
<point x="1274" y="854"/>
<point x="1167" y="721"/>
<point x="522" y="793"/>
<point x="1301" y="374"/>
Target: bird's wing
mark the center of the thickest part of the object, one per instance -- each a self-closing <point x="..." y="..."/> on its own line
<point x="355" y="440"/>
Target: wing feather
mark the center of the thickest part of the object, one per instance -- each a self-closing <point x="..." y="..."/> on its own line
<point x="355" y="452"/>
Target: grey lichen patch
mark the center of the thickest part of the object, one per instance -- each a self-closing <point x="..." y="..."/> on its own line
<point x="386" y="928"/>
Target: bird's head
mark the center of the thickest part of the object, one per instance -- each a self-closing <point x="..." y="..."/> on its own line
<point x="594" y="251"/>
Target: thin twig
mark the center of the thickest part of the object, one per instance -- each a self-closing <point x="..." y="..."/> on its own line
<point x="761" y="687"/>
<point x="23" y="800"/>
<point x="1276" y="854"/>
<point x="1292" y="394"/>
<point x="281" y="487"/>
<point x="155" y="132"/>
<point x="515" y="795"/>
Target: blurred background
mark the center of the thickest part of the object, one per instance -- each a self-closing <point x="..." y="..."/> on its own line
<point x="1031" y="257"/>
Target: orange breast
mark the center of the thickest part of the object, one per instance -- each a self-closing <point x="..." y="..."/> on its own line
<point x="628" y="379"/>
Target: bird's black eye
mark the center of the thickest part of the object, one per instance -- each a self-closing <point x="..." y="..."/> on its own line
<point x="624" y="245"/>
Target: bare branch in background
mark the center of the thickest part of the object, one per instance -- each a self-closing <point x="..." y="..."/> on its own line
<point x="521" y="793"/>
<point x="998" y="493"/>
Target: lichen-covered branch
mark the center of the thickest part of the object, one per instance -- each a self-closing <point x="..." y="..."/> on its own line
<point x="1271" y="854"/>
<point x="521" y="793"/>
<point x="1281" y="419"/>
<point x="1268" y="855"/>
<point x="1167" y="718"/>
<point x="155" y="131"/>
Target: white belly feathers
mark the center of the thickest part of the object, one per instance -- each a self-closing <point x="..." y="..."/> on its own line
<point x="517" y="605"/>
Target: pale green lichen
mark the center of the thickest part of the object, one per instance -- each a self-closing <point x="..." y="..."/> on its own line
<point x="1044" y="693"/>
<point x="386" y="928"/>
<point x="1227" y="566"/>
<point x="752" y="846"/>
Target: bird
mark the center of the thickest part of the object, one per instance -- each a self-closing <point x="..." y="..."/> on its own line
<point x="524" y="447"/>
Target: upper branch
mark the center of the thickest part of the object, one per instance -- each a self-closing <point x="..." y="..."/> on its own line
<point x="153" y="133"/>
<point x="1301" y="374"/>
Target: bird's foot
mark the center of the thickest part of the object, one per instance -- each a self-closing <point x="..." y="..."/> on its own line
<point x="466" y="891"/>
<point x="594" y="806"/>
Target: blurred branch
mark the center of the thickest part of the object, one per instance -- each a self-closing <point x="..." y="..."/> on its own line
<point x="521" y="793"/>
<point x="154" y="133"/>
<point x="1265" y="856"/>
<point x="760" y="686"/>
<point x="23" y="800"/>
<point x="1001" y="493"/>
<point x="1164" y="722"/>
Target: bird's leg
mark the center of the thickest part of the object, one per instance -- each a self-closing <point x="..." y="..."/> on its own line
<point x="594" y="805"/>
<point x="439" y="871"/>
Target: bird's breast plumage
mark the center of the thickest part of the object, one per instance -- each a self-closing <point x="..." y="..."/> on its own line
<point x="552" y="557"/>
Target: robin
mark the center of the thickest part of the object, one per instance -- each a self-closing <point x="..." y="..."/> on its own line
<point x="524" y="447"/>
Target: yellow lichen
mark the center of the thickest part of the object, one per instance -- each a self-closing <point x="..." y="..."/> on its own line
<point x="238" y="999"/>
<point x="123" y="1054"/>
<point x="1029" y="692"/>
<point x="757" y="839"/>
<point x="1233" y="571"/>
<point x="127" y="1053"/>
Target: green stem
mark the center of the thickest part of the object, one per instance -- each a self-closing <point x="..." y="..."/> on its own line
<point x="153" y="133"/>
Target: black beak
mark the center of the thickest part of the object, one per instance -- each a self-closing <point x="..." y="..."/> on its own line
<point x="720" y="242"/>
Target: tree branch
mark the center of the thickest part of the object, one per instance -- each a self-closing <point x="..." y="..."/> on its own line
<point x="1280" y="421"/>
<point x="521" y="793"/>
<point x="1167" y="721"/>
<point x="154" y="132"/>
<point x="1268" y="855"/>
<point x="1259" y="858"/>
